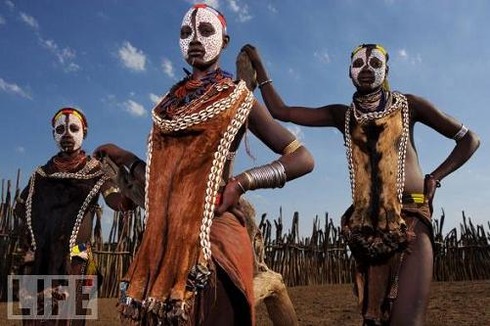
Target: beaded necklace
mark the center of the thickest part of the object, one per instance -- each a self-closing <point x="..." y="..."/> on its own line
<point x="369" y="102"/>
<point x="70" y="163"/>
<point x="188" y="90"/>
<point x="395" y="102"/>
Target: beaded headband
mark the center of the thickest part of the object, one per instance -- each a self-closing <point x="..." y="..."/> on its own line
<point x="375" y="46"/>
<point x="73" y="111"/>
<point x="214" y="11"/>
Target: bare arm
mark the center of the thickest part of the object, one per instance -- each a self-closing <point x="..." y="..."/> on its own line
<point x="326" y="116"/>
<point x="426" y="113"/>
<point x="131" y="183"/>
<point x="276" y="137"/>
<point x="296" y="162"/>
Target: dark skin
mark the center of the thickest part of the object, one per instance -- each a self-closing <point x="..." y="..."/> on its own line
<point x="260" y="123"/>
<point x="333" y="115"/>
<point x="416" y="275"/>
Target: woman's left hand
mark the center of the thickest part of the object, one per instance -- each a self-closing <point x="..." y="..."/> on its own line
<point x="230" y="200"/>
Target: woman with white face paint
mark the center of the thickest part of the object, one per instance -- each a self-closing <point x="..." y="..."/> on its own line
<point x="388" y="226"/>
<point x="195" y="263"/>
<point x="58" y="206"/>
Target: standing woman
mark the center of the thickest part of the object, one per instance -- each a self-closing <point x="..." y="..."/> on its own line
<point x="195" y="263"/>
<point x="388" y="226"/>
<point x="57" y="209"/>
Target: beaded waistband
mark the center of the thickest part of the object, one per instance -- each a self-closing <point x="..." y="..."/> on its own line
<point x="413" y="198"/>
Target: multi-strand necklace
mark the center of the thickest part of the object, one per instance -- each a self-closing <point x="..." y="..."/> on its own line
<point x="188" y="90"/>
<point x="393" y="101"/>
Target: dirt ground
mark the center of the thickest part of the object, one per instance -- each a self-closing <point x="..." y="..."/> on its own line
<point x="458" y="303"/>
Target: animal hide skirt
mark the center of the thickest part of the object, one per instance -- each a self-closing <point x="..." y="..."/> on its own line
<point x="376" y="280"/>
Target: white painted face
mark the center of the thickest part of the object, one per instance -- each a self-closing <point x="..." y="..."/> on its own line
<point x="68" y="132"/>
<point x="201" y="30"/>
<point x="371" y="59"/>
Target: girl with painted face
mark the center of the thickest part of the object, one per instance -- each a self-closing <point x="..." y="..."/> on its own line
<point x="368" y="69"/>
<point x="203" y="36"/>
<point x="195" y="263"/>
<point x="58" y="207"/>
<point x="69" y="129"/>
<point x="388" y="226"/>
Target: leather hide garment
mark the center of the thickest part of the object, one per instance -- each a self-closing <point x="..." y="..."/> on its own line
<point x="186" y="158"/>
<point x="373" y="226"/>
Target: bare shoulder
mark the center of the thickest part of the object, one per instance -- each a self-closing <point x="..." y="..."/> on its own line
<point x="424" y="111"/>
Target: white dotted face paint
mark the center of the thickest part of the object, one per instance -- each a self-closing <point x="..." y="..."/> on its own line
<point x="374" y="61"/>
<point x="212" y="43"/>
<point x="68" y="126"/>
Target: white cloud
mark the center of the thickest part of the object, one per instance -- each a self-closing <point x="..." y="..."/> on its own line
<point x="322" y="56"/>
<point x="29" y="20"/>
<point x="272" y="8"/>
<point x="131" y="57"/>
<point x="10" y="4"/>
<point x="155" y="98"/>
<point x="20" y="149"/>
<point x="134" y="108"/>
<point x="405" y="56"/>
<point x="293" y="73"/>
<point x="168" y="68"/>
<point x="2" y="20"/>
<point x="402" y="53"/>
<point x="241" y="10"/>
<point x="13" y="89"/>
<point x="65" y="55"/>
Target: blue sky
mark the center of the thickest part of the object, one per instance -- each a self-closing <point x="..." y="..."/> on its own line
<point x="113" y="59"/>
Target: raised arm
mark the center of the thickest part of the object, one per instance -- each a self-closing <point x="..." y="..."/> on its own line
<point x="466" y="141"/>
<point x="326" y="116"/>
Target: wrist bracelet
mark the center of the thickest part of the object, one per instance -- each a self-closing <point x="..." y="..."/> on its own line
<point x="438" y="182"/>
<point x="265" y="82"/>
<point x="461" y="133"/>
<point x="133" y="165"/>
<point x="292" y="147"/>
<point x="111" y="190"/>
<point x="239" y="185"/>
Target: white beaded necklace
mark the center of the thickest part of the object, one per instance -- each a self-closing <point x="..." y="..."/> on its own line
<point x="184" y="121"/>
<point x="83" y="174"/>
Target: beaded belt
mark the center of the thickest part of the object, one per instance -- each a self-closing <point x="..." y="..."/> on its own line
<point x="413" y="198"/>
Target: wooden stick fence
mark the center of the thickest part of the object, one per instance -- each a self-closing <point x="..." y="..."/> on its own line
<point x="319" y="258"/>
